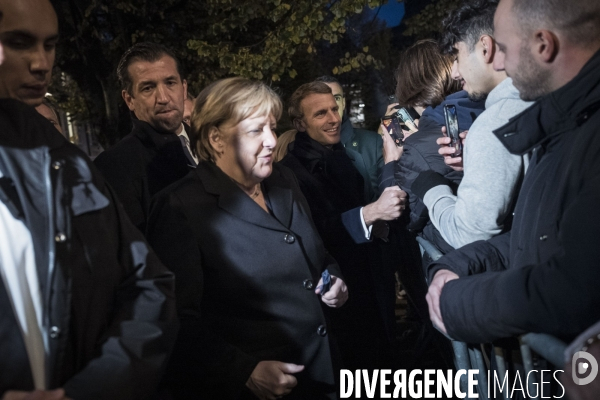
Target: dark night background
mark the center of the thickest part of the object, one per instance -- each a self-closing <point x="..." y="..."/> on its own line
<point x="282" y="42"/>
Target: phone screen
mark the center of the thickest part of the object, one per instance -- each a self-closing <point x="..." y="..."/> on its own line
<point x="405" y="116"/>
<point x="452" y="129"/>
<point x="392" y="125"/>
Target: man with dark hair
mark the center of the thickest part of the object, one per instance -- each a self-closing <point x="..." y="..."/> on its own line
<point x="86" y="308"/>
<point x="363" y="146"/>
<point x="481" y="207"/>
<point x="334" y="190"/>
<point x="156" y="153"/>
<point x="542" y="276"/>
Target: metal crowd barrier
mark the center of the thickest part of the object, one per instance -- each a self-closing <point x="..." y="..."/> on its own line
<point x="470" y="356"/>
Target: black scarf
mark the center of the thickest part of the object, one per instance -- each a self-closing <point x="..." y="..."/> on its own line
<point x="333" y="166"/>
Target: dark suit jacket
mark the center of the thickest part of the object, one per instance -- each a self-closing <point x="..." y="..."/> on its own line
<point x="365" y="149"/>
<point x="140" y="165"/>
<point x="245" y="283"/>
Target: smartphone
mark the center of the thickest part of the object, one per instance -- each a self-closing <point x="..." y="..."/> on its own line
<point x="405" y="116"/>
<point x="392" y="125"/>
<point x="452" y="129"/>
<point x="326" y="282"/>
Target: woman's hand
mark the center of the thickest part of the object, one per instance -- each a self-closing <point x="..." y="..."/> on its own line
<point x="391" y="110"/>
<point x="337" y="294"/>
<point x="391" y="152"/>
<point x="273" y="379"/>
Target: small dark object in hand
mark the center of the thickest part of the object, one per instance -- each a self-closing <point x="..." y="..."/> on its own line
<point x="326" y="282"/>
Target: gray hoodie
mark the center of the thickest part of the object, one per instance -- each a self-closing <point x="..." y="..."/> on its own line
<point x="491" y="176"/>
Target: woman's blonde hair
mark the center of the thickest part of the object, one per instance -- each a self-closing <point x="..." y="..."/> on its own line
<point x="229" y="100"/>
<point x="283" y="141"/>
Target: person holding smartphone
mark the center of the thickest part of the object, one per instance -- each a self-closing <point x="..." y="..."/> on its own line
<point x="425" y="87"/>
<point x="482" y="205"/>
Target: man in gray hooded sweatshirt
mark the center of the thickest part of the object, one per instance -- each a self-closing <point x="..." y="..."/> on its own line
<point x="483" y="204"/>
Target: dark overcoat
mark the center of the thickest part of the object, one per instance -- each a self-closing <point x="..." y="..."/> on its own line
<point x="245" y="283"/>
<point x="141" y="165"/>
<point x="107" y="301"/>
<point x="333" y="188"/>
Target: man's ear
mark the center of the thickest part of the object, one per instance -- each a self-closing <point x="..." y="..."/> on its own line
<point x="488" y="48"/>
<point x="215" y="139"/>
<point x="545" y="46"/>
<point x="184" y="89"/>
<point x="128" y="99"/>
<point x="299" y="125"/>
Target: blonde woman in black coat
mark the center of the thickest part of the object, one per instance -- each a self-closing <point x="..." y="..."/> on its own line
<point x="248" y="261"/>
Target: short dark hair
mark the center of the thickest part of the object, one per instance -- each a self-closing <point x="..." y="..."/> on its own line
<point x="295" y="110"/>
<point x="467" y="23"/>
<point x="424" y="75"/>
<point x="578" y="19"/>
<point x="144" y="51"/>
<point x="328" y="79"/>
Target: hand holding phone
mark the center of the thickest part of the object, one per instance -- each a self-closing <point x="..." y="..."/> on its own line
<point x="394" y="129"/>
<point x="326" y="282"/>
<point x="452" y="129"/>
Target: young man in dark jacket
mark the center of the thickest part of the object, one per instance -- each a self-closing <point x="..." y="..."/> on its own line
<point x="86" y="308"/>
<point x="541" y="276"/>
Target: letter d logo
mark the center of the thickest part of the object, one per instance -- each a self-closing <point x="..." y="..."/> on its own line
<point x="580" y="369"/>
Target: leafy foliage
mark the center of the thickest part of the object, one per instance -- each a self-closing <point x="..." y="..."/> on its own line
<point x="428" y="22"/>
<point x="213" y="38"/>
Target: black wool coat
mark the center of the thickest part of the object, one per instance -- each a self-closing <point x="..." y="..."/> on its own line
<point x="245" y="283"/>
<point x="143" y="163"/>
<point x="334" y="191"/>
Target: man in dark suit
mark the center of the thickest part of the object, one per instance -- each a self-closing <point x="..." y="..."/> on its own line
<point x="86" y="308"/>
<point x="364" y="147"/>
<point x="157" y="152"/>
<point x="334" y="190"/>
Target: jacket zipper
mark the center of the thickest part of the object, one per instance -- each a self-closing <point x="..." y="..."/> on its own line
<point x="51" y="257"/>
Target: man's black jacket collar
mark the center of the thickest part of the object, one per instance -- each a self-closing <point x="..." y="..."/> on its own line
<point x="560" y="111"/>
<point x="333" y="164"/>
<point x="312" y="152"/>
<point x="19" y="117"/>
<point x="150" y="136"/>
